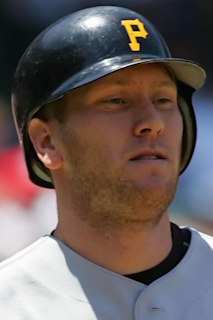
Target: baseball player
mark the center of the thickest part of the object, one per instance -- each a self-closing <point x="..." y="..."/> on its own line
<point x="104" y="116"/>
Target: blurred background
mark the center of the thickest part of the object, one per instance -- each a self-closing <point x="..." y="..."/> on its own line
<point x="27" y="211"/>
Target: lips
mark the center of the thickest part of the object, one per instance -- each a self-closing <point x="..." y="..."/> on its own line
<point x="149" y="155"/>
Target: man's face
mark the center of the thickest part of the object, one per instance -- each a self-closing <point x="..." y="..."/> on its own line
<point x="121" y="146"/>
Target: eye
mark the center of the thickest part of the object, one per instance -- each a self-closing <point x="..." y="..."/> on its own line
<point x="115" y="103"/>
<point x="165" y="102"/>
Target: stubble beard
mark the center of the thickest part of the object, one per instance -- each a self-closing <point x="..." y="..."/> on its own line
<point x="104" y="199"/>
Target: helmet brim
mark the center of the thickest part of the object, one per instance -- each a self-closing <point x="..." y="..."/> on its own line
<point x="186" y="71"/>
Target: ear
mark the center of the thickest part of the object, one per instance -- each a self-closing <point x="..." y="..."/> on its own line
<point x="40" y="136"/>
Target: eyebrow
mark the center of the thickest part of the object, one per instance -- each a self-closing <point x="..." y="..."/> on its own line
<point x="158" y="83"/>
<point x="166" y="83"/>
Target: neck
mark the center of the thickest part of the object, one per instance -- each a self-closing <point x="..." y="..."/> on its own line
<point x="122" y="250"/>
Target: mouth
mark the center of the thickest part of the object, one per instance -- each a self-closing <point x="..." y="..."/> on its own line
<point x="149" y="156"/>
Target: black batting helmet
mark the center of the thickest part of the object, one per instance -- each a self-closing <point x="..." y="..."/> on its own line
<point x="83" y="47"/>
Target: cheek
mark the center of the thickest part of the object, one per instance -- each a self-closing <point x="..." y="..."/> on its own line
<point x="102" y="130"/>
<point x="175" y="122"/>
<point x="179" y="127"/>
<point x="176" y="136"/>
<point x="88" y="143"/>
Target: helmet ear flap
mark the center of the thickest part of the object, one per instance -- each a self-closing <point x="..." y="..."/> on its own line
<point x="189" y="124"/>
<point x="39" y="172"/>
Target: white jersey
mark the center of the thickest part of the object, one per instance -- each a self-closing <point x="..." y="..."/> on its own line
<point x="48" y="281"/>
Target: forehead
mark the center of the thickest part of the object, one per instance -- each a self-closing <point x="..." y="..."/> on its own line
<point x="155" y="74"/>
<point x="142" y="72"/>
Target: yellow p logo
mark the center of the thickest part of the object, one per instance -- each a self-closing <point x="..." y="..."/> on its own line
<point x="133" y="34"/>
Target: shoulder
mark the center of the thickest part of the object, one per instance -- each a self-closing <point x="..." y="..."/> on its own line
<point x="198" y="268"/>
<point x="200" y="249"/>
<point x="202" y="238"/>
<point x="24" y="257"/>
<point x="207" y="238"/>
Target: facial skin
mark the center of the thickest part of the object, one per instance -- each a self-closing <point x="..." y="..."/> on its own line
<point x="119" y="148"/>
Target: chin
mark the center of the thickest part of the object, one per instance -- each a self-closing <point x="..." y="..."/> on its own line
<point x="156" y="187"/>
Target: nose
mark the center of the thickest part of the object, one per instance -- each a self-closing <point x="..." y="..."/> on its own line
<point x="149" y="119"/>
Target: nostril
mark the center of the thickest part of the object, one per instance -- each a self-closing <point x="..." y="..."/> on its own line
<point x="144" y="130"/>
<point x="149" y="125"/>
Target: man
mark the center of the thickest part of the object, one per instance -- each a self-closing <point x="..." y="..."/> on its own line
<point x="104" y="115"/>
